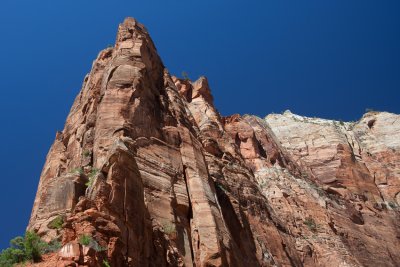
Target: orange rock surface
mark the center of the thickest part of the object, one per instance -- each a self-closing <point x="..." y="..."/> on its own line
<point x="149" y="170"/>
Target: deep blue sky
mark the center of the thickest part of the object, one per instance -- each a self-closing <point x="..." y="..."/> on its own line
<point x="330" y="59"/>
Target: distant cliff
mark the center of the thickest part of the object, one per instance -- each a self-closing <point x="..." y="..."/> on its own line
<point x="147" y="173"/>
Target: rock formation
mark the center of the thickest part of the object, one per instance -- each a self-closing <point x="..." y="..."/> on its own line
<point x="150" y="173"/>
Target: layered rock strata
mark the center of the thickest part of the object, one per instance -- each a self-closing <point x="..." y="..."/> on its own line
<point x="149" y="171"/>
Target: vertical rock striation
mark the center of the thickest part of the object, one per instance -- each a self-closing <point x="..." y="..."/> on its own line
<point x="149" y="170"/>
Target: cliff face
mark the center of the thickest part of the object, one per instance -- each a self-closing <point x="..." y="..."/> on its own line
<point x="149" y="170"/>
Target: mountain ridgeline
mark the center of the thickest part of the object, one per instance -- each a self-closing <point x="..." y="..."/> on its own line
<point x="146" y="172"/>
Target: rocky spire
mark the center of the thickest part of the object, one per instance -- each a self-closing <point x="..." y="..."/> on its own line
<point x="148" y="168"/>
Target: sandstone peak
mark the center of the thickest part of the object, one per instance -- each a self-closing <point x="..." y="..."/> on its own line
<point x="131" y="22"/>
<point x="148" y="171"/>
<point x="130" y="29"/>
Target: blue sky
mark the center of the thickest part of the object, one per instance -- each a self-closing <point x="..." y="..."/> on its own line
<point x="330" y="59"/>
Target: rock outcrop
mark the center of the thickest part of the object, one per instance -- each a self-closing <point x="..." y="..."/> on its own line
<point x="147" y="173"/>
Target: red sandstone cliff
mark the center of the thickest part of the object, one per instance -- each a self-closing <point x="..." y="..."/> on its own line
<point x="148" y="168"/>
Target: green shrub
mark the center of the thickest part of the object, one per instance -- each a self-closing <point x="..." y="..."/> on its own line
<point x="89" y="183"/>
<point x="56" y="223"/>
<point x="27" y="248"/>
<point x="91" y="176"/>
<point x="88" y="241"/>
<point x="34" y="246"/>
<point x="10" y="256"/>
<point x="93" y="172"/>
<point x="78" y="170"/>
<point x="86" y="153"/>
<point x="185" y="76"/>
<point x="169" y="228"/>
<point x="310" y="224"/>
<point x="106" y="264"/>
<point x="96" y="246"/>
<point x="53" y="246"/>
<point x="85" y="240"/>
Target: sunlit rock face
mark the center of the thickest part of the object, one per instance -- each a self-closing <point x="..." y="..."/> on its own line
<point x="155" y="176"/>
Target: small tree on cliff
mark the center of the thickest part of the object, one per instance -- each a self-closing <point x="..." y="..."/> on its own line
<point x="185" y="76"/>
<point x="27" y="248"/>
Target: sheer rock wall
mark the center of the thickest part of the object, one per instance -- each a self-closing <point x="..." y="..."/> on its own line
<point x="149" y="169"/>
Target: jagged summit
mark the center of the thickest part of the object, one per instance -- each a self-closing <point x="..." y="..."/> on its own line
<point x="149" y="172"/>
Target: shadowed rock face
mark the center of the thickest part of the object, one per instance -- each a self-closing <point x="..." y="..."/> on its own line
<point x="149" y="169"/>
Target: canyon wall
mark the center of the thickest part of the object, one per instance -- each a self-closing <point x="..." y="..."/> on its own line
<point x="155" y="176"/>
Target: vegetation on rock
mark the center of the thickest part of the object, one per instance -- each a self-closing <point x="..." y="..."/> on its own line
<point x="88" y="241"/>
<point x="169" y="228"/>
<point x="56" y="223"/>
<point x="106" y="264"/>
<point x="77" y="171"/>
<point x="27" y="248"/>
<point x="91" y="176"/>
<point x="310" y="224"/>
<point x="85" y="240"/>
<point x="86" y="153"/>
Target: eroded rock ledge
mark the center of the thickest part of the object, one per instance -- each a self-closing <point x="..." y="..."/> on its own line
<point x="149" y="170"/>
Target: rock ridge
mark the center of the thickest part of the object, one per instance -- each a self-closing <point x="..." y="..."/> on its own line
<point x="155" y="176"/>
